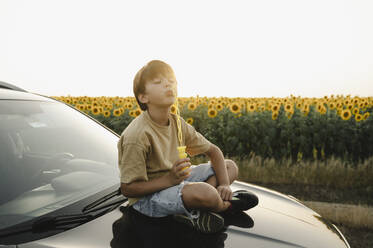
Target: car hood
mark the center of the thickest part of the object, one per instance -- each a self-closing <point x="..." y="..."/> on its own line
<point x="279" y="221"/>
<point x="283" y="221"/>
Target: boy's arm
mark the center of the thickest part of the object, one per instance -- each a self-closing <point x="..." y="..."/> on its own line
<point x="174" y="177"/>
<point x="142" y="188"/>
<point x="218" y="163"/>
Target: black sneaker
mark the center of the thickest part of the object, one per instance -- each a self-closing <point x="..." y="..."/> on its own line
<point x="243" y="200"/>
<point x="207" y="222"/>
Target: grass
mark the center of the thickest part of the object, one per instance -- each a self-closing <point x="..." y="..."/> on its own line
<point x="332" y="173"/>
<point x="330" y="180"/>
<point x="353" y="216"/>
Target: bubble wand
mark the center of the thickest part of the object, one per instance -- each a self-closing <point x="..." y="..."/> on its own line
<point x="181" y="148"/>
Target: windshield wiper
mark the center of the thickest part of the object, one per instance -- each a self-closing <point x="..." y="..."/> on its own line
<point x="92" y="206"/>
<point x="65" y="222"/>
<point x="48" y="223"/>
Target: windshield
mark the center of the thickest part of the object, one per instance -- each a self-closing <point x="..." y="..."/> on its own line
<point x="50" y="157"/>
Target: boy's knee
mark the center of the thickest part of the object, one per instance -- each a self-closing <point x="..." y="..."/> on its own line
<point x="232" y="168"/>
<point x="201" y="194"/>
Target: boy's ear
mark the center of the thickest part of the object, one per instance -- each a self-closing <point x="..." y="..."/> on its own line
<point x="143" y="98"/>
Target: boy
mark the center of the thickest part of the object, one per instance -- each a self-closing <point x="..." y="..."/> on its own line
<point x="154" y="179"/>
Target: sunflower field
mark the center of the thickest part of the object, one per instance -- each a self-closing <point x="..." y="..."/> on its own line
<point x="298" y="128"/>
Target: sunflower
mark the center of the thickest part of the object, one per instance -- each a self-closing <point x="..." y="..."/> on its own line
<point x="96" y="110"/>
<point x="261" y="108"/>
<point x="107" y="113"/>
<point x="117" y="112"/>
<point x="332" y="105"/>
<point x="358" y="117"/>
<point x="275" y="107"/>
<point x="289" y="107"/>
<point x="80" y="107"/>
<point x="274" y="115"/>
<point x="137" y="112"/>
<point x="129" y="105"/>
<point x="269" y="107"/>
<point x="346" y="114"/>
<point x="109" y="106"/>
<point x="289" y="115"/>
<point x="251" y="107"/>
<point x="132" y="113"/>
<point x="323" y="110"/>
<point x="350" y="106"/>
<point x="219" y="107"/>
<point x="121" y="109"/>
<point x="235" y="108"/>
<point x="189" y="120"/>
<point x="319" y="107"/>
<point x="355" y="111"/>
<point x="192" y="106"/>
<point x="366" y="115"/>
<point x="212" y="113"/>
<point x="306" y="109"/>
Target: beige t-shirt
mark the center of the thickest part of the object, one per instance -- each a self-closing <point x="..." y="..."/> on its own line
<point x="147" y="150"/>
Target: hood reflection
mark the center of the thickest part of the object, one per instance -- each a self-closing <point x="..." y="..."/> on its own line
<point x="134" y="229"/>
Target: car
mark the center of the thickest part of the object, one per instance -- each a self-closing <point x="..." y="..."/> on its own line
<point x="60" y="187"/>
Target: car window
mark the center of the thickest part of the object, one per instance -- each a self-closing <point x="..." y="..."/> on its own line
<point x="50" y="156"/>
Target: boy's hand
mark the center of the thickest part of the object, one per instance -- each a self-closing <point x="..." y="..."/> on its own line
<point x="179" y="172"/>
<point x="225" y="192"/>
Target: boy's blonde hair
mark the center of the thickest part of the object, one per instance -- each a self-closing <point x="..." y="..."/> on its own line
<point x="149" y="72"/>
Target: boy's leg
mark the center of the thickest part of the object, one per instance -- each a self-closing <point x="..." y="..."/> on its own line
<point x="205" y="196"/>
<point x="232" y="170"/>
<point x="201" y="195"/>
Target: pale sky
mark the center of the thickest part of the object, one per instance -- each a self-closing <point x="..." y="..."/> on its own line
<point x="245" y="48"/>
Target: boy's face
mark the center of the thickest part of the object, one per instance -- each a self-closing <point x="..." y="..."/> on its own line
<point x="160" y="91"/>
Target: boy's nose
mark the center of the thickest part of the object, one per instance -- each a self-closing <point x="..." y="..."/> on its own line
<point x="168" y="83"/>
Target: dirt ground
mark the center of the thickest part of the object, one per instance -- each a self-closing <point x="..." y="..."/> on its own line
<point x="358" y="237"/>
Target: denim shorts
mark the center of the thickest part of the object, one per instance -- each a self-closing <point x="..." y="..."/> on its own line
<point x="169" y="201"/>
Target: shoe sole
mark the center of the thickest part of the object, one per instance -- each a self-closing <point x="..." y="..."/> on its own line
<point x="205" y="223"/>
